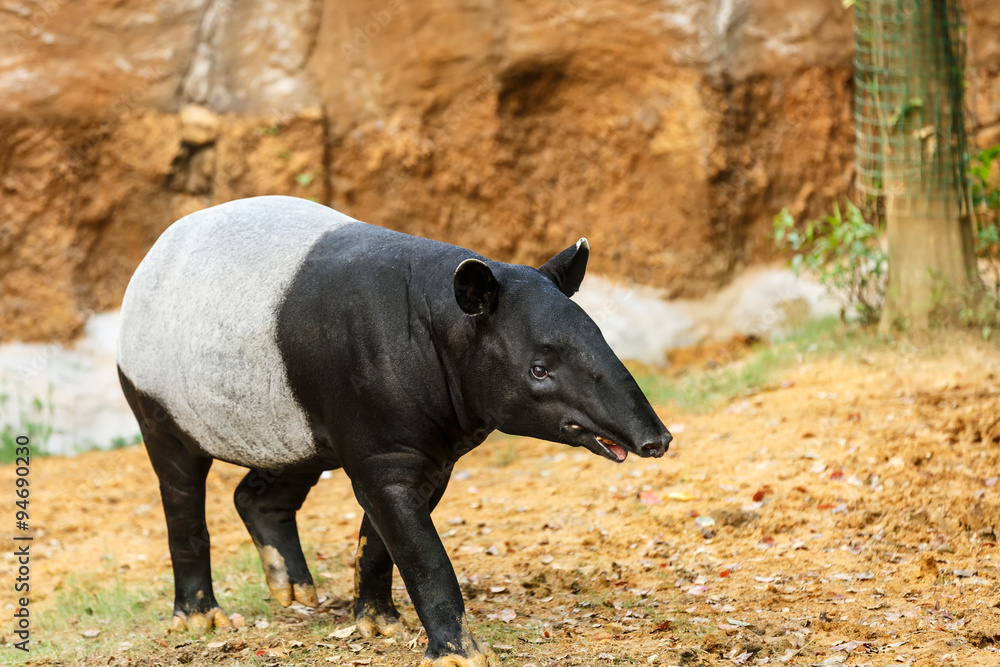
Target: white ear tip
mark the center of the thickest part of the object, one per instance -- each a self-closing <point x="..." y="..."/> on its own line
<point x="583" y="243"/>
<point x="468" y="262"/>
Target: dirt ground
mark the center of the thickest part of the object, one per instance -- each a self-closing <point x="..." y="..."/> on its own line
<point x="845" y="517"/>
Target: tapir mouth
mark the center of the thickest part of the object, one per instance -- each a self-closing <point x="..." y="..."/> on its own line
<point x="578" y="436"/>
<point x="617" y="452"/>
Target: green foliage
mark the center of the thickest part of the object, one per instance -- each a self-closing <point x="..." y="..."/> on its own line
<point x="122" y="442"/>
<point x="985" y="312"/>
<point x="844" y="252"/>
<point x="34" y="419"/>
<point x="304" y="179"/>
<point x="985" y="195"/>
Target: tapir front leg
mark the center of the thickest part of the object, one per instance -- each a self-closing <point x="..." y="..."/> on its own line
<point x="389" y="495"/>
<point x="374" y="611"/>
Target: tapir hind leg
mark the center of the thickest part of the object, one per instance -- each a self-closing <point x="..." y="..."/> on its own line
<point x="182" y="487"/>
<point x="267" y="502"/>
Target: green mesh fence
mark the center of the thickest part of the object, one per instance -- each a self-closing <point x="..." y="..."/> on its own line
<point x="909" y="64"/>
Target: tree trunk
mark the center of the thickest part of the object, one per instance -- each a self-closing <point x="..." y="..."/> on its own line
<point x="932" y="262"/>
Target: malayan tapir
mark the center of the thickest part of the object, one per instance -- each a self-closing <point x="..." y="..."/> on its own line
<point x="280" y="335"/>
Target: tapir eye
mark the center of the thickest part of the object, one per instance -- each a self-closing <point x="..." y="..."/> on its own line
<point x="539" y="373"/>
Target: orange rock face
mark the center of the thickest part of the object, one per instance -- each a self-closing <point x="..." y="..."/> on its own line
<point x="667" y="133"/>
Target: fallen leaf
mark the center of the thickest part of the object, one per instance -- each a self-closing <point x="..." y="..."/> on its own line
<point x="648" y="498"/>
<point x="214" y="645"/>
<point x="847" y="647"/>
<point x="759" y="496"/>
<point x="788" y="655"/>
<point x="90" y="633"/>
<point x="683" y="496"/>
<point x="664" y="626"/>
<point x="343" y="633"/>
<point x="837" y="475"/>
<point x="507" y="615"/>
<point x="237" y="620"/>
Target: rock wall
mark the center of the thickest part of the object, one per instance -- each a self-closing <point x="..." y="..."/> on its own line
<point x="668" y="132"/>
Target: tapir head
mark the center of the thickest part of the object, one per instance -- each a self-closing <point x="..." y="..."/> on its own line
<point x="539" y="365"/>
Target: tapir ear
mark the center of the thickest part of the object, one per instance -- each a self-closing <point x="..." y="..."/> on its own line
<point x="567" y="268"/>
<point x="476" y="289"/>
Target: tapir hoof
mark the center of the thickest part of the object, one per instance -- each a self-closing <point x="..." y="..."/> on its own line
<point x="200" y="623"/>
<point x="282" y="590"/>
<point x="286" y="593"/>
<point x="382" y="624"/>
<point x="476" y="655"/>
<point x="487" y="659"/>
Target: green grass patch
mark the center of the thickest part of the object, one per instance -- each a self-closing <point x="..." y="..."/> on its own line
<point x="91" y="603"/>
<point x="507" y="455"/>
<point x="34" y="419"/>
<point x="240" y="585"/>
<point x="701" y="390"/>
<point x="498" y="633"/>
<point x="128" y="617"/>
